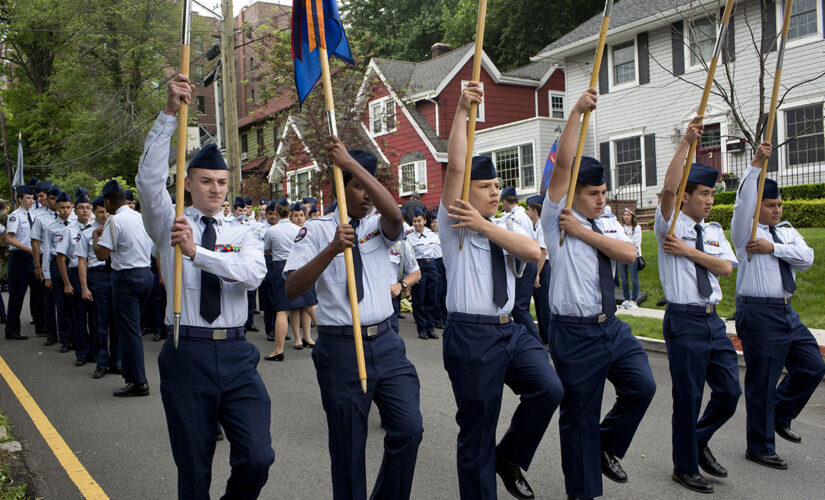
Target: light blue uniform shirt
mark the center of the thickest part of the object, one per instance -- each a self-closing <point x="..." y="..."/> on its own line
<point x="574" y="280"/>
<point x="761" y="276"/>
<point x="85" y="247"/>
<point x="426" y="244"/>
<point x="54" y="234"/>
<point x="410" y="264"/>
<point x="678" y="274"/>
<point x="331" y="287"/>
<point x="125" y="236"/>
<point x="72" y="239"/>
<point x="470" y="270"/>
<point x="280" y="238"/>
<point x="18" y="224"/>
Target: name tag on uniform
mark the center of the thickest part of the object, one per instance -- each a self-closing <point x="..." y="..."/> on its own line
<point x="369" y="236"/>
<point x="227" y="248"/>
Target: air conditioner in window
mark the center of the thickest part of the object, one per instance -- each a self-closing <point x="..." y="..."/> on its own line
<point x="244" y="156"/>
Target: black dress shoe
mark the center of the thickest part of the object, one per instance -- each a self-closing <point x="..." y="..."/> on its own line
<point x="612" y="468"/>
<point x="64" y="348"/>
<point x="115" y="370"/>
<point x="423" y="336"/>
<point x="432" y="335"/>
<point x="513" y="480"/>
<point x="49" y="342"/>
<point x="130" y="390"/>
<point x="275" y="357"/>
<point x="308" y="345"/>
<point x="80" y="362"/>
<point x="788" y="434"/>
<point x="219" y="437"/>
<point x="251" y="328"/>
<point x="693" y="482"/>
<point x="157" y="337"/>
<point x="19" y="336"/>
<point x="773" y="461"/>
<point x="98" y="374"/>
<point x="439" y="326"/>
<point x="298" y="347"/>
<point x="270" y="337"/>
<point x="709" y="464"/>
<point x="401" y="316"/>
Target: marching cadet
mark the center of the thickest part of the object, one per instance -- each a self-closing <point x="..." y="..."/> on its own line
<point x="313" y="212"/>
<point x="278" y="241"/>
<point x="699" y="350"/>
<point x="239" y="209"/>
<point x="772" y="334"/>
<point x="265" y="290"/>
<point x="261" y="216"/>
<point x="515" y="214"/>
<point x="130" y="198"/>
<point x="441" y="298"/>
<point x="425" y="293"/>
<point x="95" y="287"/>
<point x="227" y="209"/>
<point x="124" y="239"/>
<point x="21" y="263"/>
<point x="541" y="286"/>
<point x="211" y="377"/>
<point x="402" y="257"/>
<point x="308" y="201"/>
<point x="55" y="274"/>
<point x="392" y="382"/>
<point x="68" y="263"/>
<point x="588" y="343"/>
<point x="483" y="348"/>
<point x="37" y="240"/>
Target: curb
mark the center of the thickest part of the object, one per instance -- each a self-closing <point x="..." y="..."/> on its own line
<point x="657" y="345"/>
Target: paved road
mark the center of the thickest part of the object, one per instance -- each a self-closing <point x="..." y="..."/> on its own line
<point x="124" y="443"/>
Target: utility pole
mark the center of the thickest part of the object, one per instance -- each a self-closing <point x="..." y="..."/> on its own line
<point x="230" y="103"/>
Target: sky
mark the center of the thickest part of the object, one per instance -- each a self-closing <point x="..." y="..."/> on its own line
<point x="237" y="5"/>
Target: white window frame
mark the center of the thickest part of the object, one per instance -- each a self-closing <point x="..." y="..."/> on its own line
<point x="480" y="113"/>
<point x="805" y="40"/>
<point x="686" y="42"/>
<point x="550" y="96"/>
<point x="782" y="123"/>
<point x="382" y="105"/>
<point x="420" y="167"/>
<point x="521" y="188"/>
<point x="629" y="84"/>
<point x="290" y="176"/>
<point x="614" y="166"/>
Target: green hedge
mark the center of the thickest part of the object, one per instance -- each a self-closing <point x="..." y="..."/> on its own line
<point x="800" y="213"/>
<point x="799" y="192"/>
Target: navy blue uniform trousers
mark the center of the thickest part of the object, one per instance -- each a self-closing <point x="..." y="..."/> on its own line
<point x="521" y="305"/>
<point x="154" y="311"/>
<point x="585" y="356"/>
<point x="425" y="297"/>
<point x="699" y="351"/>
<point x="441" y="317"/>
<point x="21" y="277"/>
<point x="267" y="298"/>
<point x="250" y="308"/>
<point x="541" y="298"/>
<point x="130" y="291"/>
<point x="773" y="336"/>
<point x="62" y="305"/>
<point x="80" y="331"/>
<point x="480" y="359"/>
<point x="204" y="383"/>
<point x="392" y="384"/>
<point x="50" y="318"/>
<point x="105" y="343"/>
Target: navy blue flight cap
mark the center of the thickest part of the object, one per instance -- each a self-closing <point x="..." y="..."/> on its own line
<point x="483" y="169"/>
<point x="130" y="196"/>
<point x="509" y="191"/>
<point x="283" y="201"/>
<point x="312" y="209"/>
<point x="263" y="201"/>
<point x="81" y="190"/>
<point x="81" y="198"/>
<point x="297" y="206"/>
<point x="33" y="181"/>
<point x="403" y="211"/>
<point x="42" y="187"/>
<point x="272" y="206"/>
<point x="24" y="190"/>
<point x="591" y="172"/>
<point x="98" y="201"/>
<point x="247" y="201"/>
<point x="703" y="174"/>
<point x="63" y="197"/>
<point x="209" y="158"/>
<point x="309" y="199"/>
<point x="110" y="187"/>
<point x="54" y="190"/>
<point x="536" y="199"/>
<point x="365" y="159"/>
<point x="331" y="207"/>
<point x="420" y="212"/>
<point x="239" y="202"/>
<point x="771" y="189"/>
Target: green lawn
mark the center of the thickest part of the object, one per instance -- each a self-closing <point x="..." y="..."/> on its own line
<point x="808" y="299"/>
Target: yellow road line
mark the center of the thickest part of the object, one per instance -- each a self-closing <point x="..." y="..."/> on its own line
<point x="77" y="473"/>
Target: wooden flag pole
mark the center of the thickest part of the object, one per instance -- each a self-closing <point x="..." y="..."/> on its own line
<point x="183" y="115"/>
<point x="338" y="177"/>
<point x="594" y="80"/>
<point x="703" y="104"/>
<point x="471" y="126"/>
<point x="780" y="57"/>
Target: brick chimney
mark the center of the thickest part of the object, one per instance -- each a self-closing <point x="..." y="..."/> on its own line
<point x="440" y="48"/>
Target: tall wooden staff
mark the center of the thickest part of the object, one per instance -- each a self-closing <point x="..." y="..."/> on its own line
<point x="471" y="126"/>
<point x="717" y="51"/>
<point x="780" y="57"/>
<point x="594" y="80"/>
<point x="183" y="113"/>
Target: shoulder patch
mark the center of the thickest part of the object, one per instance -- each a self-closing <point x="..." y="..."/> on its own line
<point x="12" y="218"/>
<point x="301" y="234"/>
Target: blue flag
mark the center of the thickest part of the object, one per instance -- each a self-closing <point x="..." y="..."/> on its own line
<point x="315" y="23"/>
<point x="548" y="168"/>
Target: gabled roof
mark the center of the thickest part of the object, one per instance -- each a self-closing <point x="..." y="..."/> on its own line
<point x="626" y="14"/>
<point x="425" y="76"/>
<point x="272" y="106"/>
<point x="537" y="70"/>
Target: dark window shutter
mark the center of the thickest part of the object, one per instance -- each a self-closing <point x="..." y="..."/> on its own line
<point x="604" y="157"/>
<point x="604" y="77"/>
<point x="644" y="58"/>
<point x="769" y="29"/>
<point x="729" y="49"/>
<point x="678" y="44"/>
<point x="773" y="162"/>
<point x="650" y="160"/>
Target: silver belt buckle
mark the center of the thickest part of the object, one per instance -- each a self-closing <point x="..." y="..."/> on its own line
<point x="787" y="300"/>
<point x="219" y="334"/>
<point x="602" y="318"/>
<point x="503" y="319"/>
<point x="372" y="330"/>
<point x="709" y="309"/>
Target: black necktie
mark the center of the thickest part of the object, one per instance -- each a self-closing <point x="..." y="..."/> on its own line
<point x="29" y="216"/>
<point x="210" y="284"/>
<point x="65" y="223"/>
<point x="605" y="277"/>
<point x="702" y="278"/>
<point x="357" y="265"/>
<point x="788" y="282"/>
<point x="500" y="296"/>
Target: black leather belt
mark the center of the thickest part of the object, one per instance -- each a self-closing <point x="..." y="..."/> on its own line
<point x="691" y="308"/>
<point x="97" y="269"/>
<point x="764" y="300"/>
<point x="198" y="332"/>
<point x="501" y="319"/>
<point x="367" y="331"/>
<point x="582" y="320"/>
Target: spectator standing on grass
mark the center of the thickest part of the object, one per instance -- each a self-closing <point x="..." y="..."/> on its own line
<point x="630" y="272"/>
